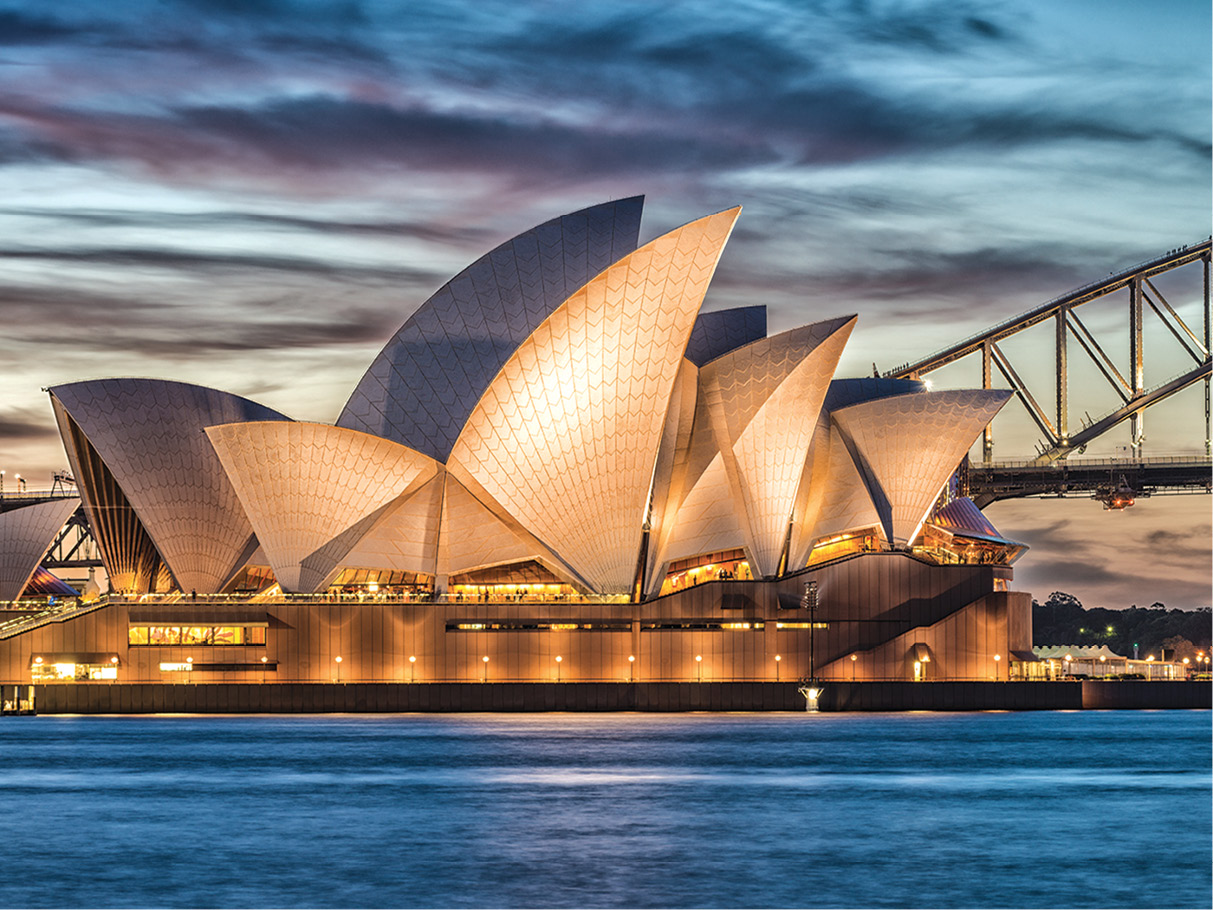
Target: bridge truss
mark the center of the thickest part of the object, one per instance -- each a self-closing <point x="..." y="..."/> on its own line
<point x="1135" y="397"/>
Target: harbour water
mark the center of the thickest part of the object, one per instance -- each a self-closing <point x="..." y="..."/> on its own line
<point x="1040" y="809"/>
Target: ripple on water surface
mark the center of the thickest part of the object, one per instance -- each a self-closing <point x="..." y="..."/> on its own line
<point x="1037" y="809"/>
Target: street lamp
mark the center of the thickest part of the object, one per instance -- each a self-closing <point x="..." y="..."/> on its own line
<point x="778" y="658"/>
<point x="1068" y="659"/>
<point x="412" y="669"/>
<point x="1103" y="665"/>
<point x="337" y="660"/>
<point x="854" y="657"/>
<point x="559" y="660"/>
<point x="997" y="658"/>
<point x="699" y="665"/>
<point x="631" y="668"/>
<point x="486" y="667"/>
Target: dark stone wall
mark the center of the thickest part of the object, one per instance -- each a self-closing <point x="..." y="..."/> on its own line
<point x="319" y="698"/>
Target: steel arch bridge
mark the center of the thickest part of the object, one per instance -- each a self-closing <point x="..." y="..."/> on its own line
<point x="1050" y="472"/>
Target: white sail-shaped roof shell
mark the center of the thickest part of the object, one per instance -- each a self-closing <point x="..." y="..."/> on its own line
<point x="312" y="491"/>
<point x="406" y="539"/>
<point x="149" y="434"/>
<point x="566" y="436"/>
<point x="836" y="500"/>
<point x="907" y="446"/>
<point x="424" y="384"/>
<point x="763" y="400"/>
<point x="26" y="533"/>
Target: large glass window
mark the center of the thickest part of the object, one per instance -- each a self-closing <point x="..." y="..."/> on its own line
<point x="195" y="635"/>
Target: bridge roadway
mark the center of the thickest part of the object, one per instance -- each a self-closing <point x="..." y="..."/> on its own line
<point x="988" y="483"/>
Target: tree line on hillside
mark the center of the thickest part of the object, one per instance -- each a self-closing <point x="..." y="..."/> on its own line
<point x="1063" y="620"/>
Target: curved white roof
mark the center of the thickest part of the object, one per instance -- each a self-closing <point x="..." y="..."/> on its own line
<point x="764" y="399"/>
<point x="148" y="432"/>
<point x="570" y="427"/>
<point x="406" y="539"/>
<point x="26" y="533"/>
<point x="906" y="446"/>
<point x="837" y="499"/>
<point x="423" y="385"/>
<point x="313" y="491"/>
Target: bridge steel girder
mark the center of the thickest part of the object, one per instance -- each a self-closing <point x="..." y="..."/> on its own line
<point x="1134" y="394"/>
<point x="1128" y="412"/>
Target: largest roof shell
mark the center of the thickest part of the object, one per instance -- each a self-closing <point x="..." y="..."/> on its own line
<point x="571" y="426"/>
<point x="422" y="387"/>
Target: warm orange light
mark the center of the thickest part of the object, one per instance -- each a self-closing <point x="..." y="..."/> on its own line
<point x="412" y="660"/>
<point x="265" y="660"/>
<point x="337" y="658"/>
<point x="854" y="657"/>
<point x="485" y="659"/>
<point x="698" y="657"/>
<point x="37" y="660"/>
<point x="559" y="658"/>
<point x="997" y="657"/>
<point x="114" y="660"/>
<point x="778" y="657"/>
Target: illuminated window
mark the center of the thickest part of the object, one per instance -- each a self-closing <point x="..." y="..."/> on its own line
<point x="802" y="625"/>
<point x="195" y="635"/>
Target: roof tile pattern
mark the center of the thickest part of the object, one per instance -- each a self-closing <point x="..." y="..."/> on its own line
<point x="721" y="331"/>
<point x="764" y="399"/>
<point x="149" y="434"/>
<point x="837" y="499"/>
<point x="423" y="385"/>
<point x="474" y="538"/>
<point x="566" y="436"/>
<point x="908" y="445"/>
<point x="406" y="540"/>
<point x="25" y="536"/>
<point x="313" y="491"/>
<point x="707" y="521"/>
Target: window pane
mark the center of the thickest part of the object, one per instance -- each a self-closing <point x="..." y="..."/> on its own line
<point x="196" y="635"/>
<point x="229" y="635"/>
<point x="256" y="635"/>
<point x="163" y="635"/>
<point x="136" y="635"/>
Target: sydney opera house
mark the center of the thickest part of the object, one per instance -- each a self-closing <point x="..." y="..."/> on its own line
<point x="557" y="469"/>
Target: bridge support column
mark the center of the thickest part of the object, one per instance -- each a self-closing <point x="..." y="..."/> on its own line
<point x="987" y="436"/>
<point x="1136" y="367"/>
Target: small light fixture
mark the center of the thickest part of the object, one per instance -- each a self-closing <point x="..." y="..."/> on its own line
<point x="559" y="658"/>
<point x="37" y="660"/>
<point x="631" y="658"/>
<point x="114" y="659"/>
<point x="264" y="659"/>
<point x="485" y="659"/>
<point x="698" y="658"/>
<point x="412" y="660"/>
<point x="337" y="658"/>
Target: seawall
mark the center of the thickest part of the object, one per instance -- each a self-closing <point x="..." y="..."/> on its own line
<point x="310" y="698"/>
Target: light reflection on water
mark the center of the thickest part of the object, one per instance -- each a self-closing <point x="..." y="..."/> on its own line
<point x="783" y="810"/>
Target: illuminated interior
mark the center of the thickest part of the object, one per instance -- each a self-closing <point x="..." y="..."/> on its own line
<point x="865" y="540"/>
<point x="73" y="668"/>
<point x="383" y="582"/>
<point x="722" y="565"/>
<point x="162" y="636"/>
<point x="947" y="548"/>
<point x="528" y="581"/>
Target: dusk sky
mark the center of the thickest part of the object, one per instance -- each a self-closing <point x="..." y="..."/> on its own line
<point x="254" y="194"/>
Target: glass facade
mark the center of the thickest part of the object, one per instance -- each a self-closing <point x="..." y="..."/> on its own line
<point x="169" y="636"/>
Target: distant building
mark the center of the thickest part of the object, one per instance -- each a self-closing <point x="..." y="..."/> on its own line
<point x="557" y="468"/>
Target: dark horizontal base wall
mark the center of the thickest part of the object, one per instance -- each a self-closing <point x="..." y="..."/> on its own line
<point x="319" y="698"/>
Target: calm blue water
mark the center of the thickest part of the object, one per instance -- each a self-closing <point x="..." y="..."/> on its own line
<point x="1054" y="809"/>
